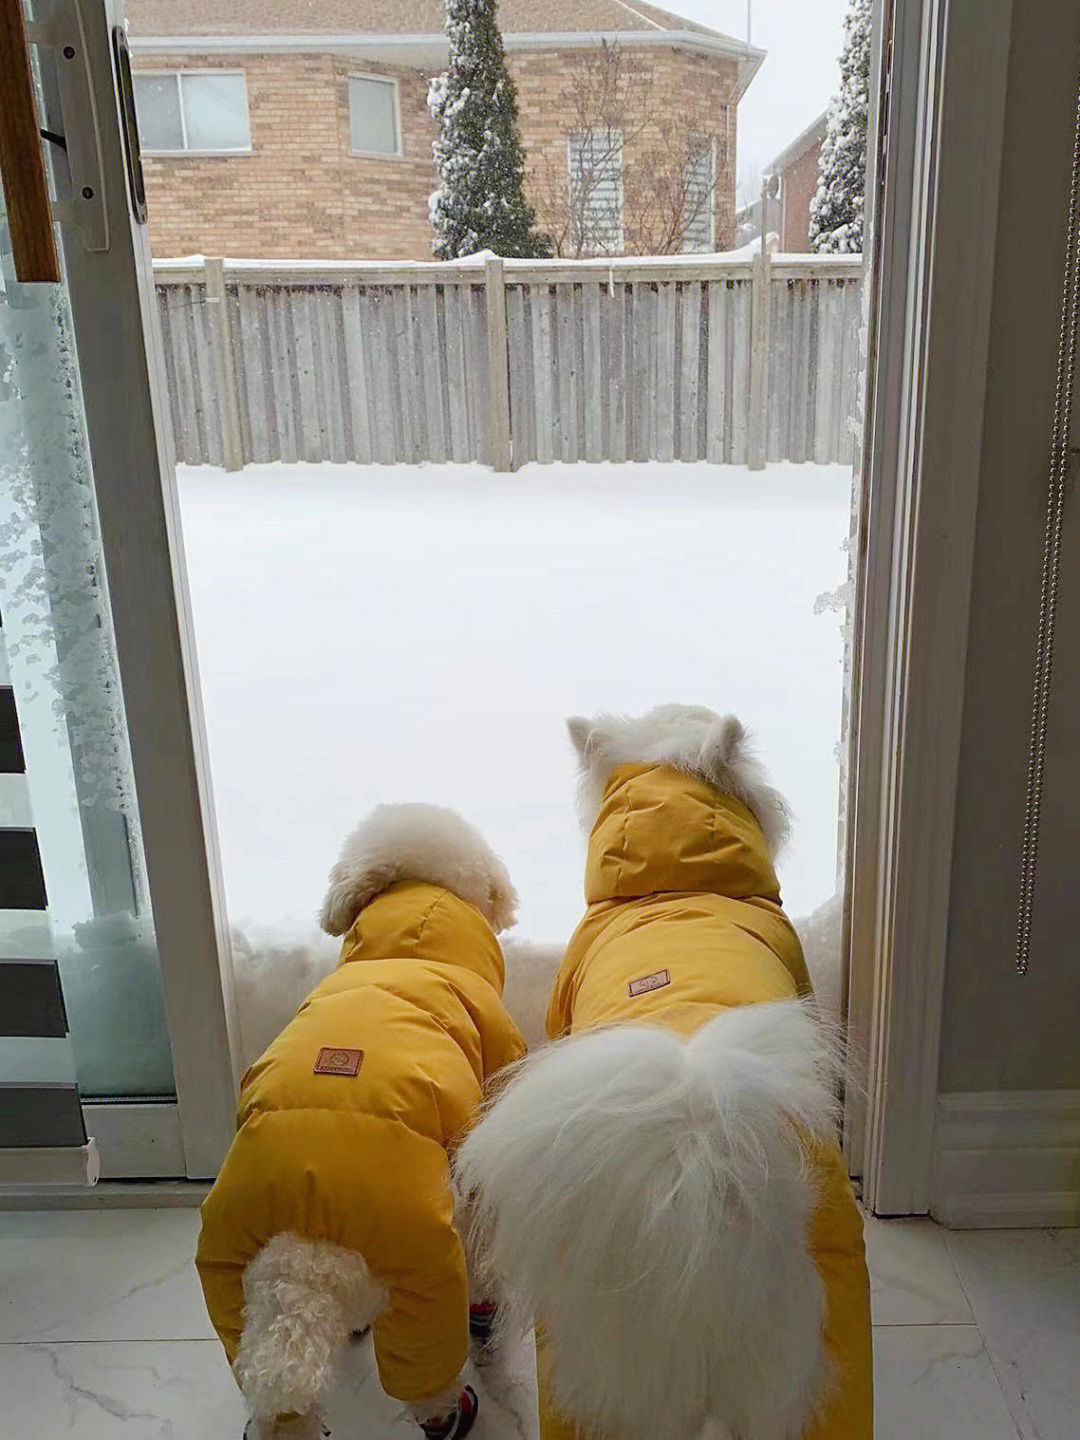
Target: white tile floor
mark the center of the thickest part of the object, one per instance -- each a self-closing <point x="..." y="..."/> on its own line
<point x="103" y="1337"/>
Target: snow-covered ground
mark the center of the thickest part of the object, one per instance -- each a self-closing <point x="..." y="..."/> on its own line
<point x="371" y="634"/>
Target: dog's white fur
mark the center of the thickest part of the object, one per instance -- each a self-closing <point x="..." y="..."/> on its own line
<point x="649" y="1197"/>
<point x="303" y="1298"/>
<point x="303" y="1301"/>
<point x="417" y="842"/>
<point x="688" y="738"/>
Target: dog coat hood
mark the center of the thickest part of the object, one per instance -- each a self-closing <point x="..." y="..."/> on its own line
<point x="435" y="926"/>
<point x="684" y="911"/>
<point x="346" y="1122"/>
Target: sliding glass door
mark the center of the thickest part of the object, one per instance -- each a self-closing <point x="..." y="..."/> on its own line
<point x="98" y="660"/>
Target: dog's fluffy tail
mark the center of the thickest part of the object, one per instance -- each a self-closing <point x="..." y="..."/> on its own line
<point x="302" y="1302"/>
<point x="648" y="1200"/>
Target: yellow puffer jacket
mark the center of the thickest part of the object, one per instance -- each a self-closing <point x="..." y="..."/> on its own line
<point x="361" y="1160"/>
<point x="683" y="920"/>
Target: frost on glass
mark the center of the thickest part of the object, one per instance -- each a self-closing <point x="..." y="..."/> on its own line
<point x="822" y="932"/>
<point x="60" y="646"/>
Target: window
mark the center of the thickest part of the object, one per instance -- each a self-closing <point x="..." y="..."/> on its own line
<point x="699" y="189"/>
<point x="373" y="116"/>
<point x="596" y="192"/>
<point x="205" y="111"/>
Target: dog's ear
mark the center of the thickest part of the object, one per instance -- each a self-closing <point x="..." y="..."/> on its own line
<point x="502" y="905"/>
<point x="581" y="733"/>
<point x="723" y="744"/>
<point x="350" y="890"/>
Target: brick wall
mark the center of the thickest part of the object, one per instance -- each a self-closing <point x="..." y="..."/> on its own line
<point x="799" y="186"/>
<point x="675" y="96"/>
<point x="301" y="194"/>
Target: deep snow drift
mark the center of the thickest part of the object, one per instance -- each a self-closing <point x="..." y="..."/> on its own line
<point x="371" y="634"/>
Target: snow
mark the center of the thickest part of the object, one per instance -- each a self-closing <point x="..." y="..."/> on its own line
<point x="370" y="634"/>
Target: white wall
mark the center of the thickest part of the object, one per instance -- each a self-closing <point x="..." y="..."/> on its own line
<point x="1002" y="1032"/>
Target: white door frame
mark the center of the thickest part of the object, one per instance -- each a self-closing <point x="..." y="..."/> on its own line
<point x="124" y="394"/>
<point x="934" y="272"/>
<point x="935" y="267"/>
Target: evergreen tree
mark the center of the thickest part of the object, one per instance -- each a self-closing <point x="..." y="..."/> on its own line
<point x="836" y="211"/>
<point x="481" y="205"/>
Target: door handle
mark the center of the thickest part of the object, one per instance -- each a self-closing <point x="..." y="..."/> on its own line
<point x="68" y="94"/>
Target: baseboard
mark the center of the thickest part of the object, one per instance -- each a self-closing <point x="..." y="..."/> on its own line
<point x="111" y="1195"/>
<point x="1007" y="1158"/>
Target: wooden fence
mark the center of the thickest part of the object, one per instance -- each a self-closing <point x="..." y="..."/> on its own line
<point x="731" y="361"/>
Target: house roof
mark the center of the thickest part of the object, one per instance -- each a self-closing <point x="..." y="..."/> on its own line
<point x="811" y="136"/>
<point x="411" y="32"/>
<point x="394" y="17"/>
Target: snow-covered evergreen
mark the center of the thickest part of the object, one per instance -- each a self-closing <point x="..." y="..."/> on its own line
<point x="481" y="205"/>
<point x="836" y="211"/>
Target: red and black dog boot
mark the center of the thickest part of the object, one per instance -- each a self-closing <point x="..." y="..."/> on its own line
<point x="459" y="1422"/>
<point x="482" y="1321"/>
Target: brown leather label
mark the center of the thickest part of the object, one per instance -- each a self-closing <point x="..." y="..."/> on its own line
<point x="656" y="981"/>
<point x="332" y="1061"/>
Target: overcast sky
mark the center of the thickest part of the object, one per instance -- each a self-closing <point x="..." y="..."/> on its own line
<point x="800" y="72"/>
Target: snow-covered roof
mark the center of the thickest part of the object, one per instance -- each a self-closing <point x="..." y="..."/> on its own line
<point x="410" y="32"/>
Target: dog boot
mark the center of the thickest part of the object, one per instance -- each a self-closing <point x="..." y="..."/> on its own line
<point x="482" y="1329"/>
<point x="458" y="1423"/>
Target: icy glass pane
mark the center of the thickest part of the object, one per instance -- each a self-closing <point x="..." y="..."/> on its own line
<point x="216" y="112"/>
<point x="157" y="107"/>
<point x="373" y="116"/>
<point x="61" y="659"/>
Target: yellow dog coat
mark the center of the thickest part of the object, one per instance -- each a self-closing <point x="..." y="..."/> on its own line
<point x="346" y="1122"/>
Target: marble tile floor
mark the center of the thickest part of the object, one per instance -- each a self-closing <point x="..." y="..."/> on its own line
<point x="103" y="1337"/>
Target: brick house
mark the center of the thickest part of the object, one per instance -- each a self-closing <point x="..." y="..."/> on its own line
<point x="299" y="129"/>
<point x="797" y="167"/>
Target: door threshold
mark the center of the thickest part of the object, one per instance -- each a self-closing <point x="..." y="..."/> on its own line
<point x="109" y="1195"/>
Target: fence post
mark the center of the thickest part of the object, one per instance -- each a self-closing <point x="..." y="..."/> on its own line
<point x="498" y="364"/>
<point x="232" y="443"/>
<point x="760" y="308"/>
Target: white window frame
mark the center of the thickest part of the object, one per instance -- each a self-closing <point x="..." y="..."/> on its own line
<point x="399" y="153"/>
<point x="620" y="244"/>
<point x="714" y="184"/>
<point x="185" y="153"/>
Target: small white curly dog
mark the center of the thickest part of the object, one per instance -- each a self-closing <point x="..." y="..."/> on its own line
<point x="302" y="1297"/>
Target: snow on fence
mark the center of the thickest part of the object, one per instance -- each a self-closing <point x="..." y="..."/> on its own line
<point x="729" y="360"/>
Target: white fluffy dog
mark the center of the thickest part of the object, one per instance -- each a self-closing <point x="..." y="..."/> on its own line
<point x="642" y="1187"/>
<point x="420" y="898"/>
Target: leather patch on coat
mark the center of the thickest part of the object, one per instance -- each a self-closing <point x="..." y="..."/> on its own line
<point x="333" y="1061"/>
<point x="655" y="981"/>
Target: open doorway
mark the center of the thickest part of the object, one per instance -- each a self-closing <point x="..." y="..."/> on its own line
<point x="473" y="497"/>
